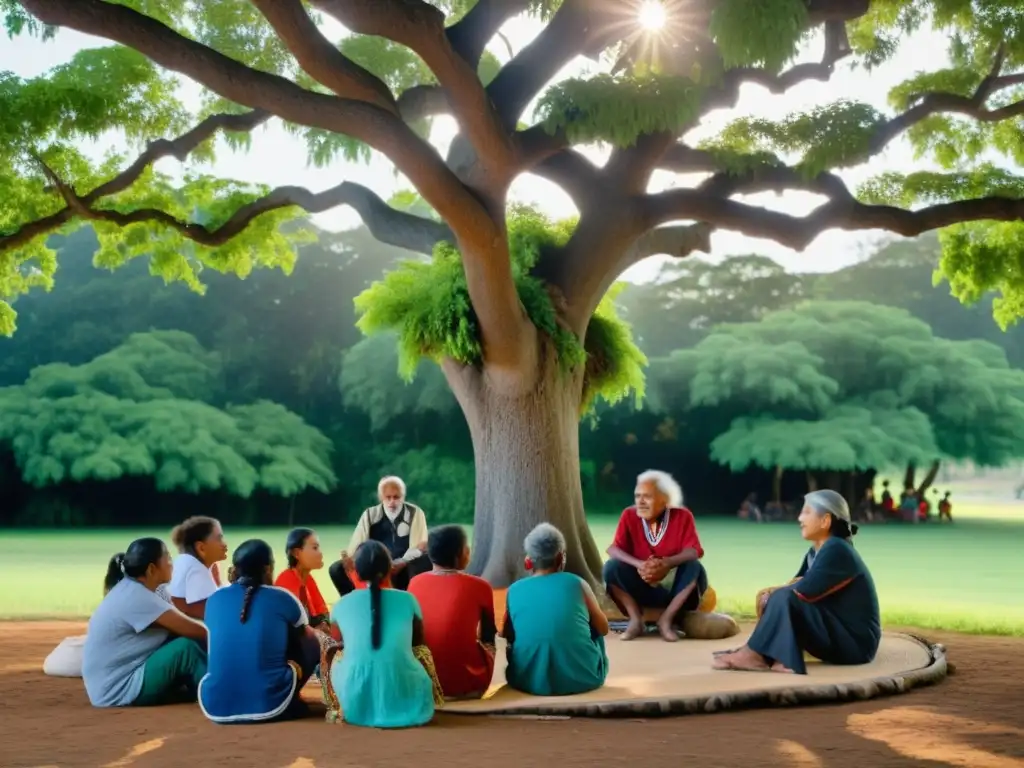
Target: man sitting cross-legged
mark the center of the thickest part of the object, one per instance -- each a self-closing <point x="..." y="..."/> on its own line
<point x="655" y="537"/>
<point x="401" y="527"/>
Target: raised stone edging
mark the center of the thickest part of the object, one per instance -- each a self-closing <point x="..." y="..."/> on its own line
<point x="890" y="685"/>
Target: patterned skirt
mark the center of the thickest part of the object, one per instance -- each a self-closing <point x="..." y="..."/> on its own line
<point x="328" y="653"/>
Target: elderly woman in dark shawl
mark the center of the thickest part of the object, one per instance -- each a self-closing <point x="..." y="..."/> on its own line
<point x="829" y="611"/>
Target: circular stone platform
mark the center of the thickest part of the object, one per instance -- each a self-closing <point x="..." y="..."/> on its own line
<point x="651" y="678"/>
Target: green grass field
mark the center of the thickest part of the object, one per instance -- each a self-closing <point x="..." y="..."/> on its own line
<point x="967" y="577"/>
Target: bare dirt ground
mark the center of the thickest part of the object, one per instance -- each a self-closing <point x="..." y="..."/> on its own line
<point x="974" y="719"/>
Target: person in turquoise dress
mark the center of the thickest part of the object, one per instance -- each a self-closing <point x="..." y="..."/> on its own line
<point x="554" y="627"/>
<point x="377" y="678"/>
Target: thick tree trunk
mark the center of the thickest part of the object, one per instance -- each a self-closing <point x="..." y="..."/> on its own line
<point x="526" y="453"/>
<point x="929" y="478"/>
<point x="777" y="484"/>
<point x="908" y="476"/>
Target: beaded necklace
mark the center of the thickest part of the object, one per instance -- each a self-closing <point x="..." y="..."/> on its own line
<point x="654" y="537"/>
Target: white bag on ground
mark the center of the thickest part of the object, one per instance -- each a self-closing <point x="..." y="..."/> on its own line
<point x="66" y="659"/>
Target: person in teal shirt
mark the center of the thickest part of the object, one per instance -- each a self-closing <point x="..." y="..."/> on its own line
<point x="553" y="626"/>
<point x="377" y="679"/>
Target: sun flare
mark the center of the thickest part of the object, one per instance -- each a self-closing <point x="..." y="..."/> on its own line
<point x="652" y="15"/>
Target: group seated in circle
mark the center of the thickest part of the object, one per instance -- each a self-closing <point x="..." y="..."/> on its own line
<point x="388" y="657"/>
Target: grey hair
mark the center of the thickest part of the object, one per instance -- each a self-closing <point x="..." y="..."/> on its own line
<point x="828" y="502"/>
<point x="665" y="483"/>
<point x="394" y="480"/>
<point x="543" y="545"/>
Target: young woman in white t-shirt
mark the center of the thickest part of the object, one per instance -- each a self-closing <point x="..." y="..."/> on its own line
<point x="200" y="540"/>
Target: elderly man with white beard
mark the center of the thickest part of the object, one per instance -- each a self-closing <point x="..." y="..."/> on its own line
<point x="400" y="526"/>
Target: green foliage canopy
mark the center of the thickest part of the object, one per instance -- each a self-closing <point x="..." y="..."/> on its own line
<point x="845" y="386"/>
<point x="427" y="304"/>
<point x="138" y="410"/>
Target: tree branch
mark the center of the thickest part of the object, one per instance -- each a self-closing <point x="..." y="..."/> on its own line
<point x="935" y="102"/>
<point x="578" y="27"/>
<point x="837" y="48"/>
<point x="388" y="225"/>
<point x="470" y="35"/>
<point x="236" y="82"/>
<point x="320" y="58"/>
<point x="420" y="27"/>
<point x="843" y="212"/>
<point x="178" y="148"/>
<point x="678" y="241"/>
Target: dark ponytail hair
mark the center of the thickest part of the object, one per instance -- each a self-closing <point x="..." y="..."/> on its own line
<point x="133" y="562"/>
<point x="373" y="564"/>
<point x="191" y="532"/>
<point x="842" y="529"/>
<point x="251" y="561"/>
<point x="296" y="540"/>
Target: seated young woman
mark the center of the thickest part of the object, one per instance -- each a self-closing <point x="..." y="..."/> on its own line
<point x="654" y="537"/>
<point x="262" y="649"/>
<point x="139" y="649"/>
<point x="384" y="676"/>
<point x="200" y="540"/>
<point x="458" y="616"/>
<point x="829" y="611"/>
<point x="553" y="625"/>
<point x="66" y="659"/>
<point x="304" y="556"/>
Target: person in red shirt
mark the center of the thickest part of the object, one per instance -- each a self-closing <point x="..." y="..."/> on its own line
<point x="654" y="537"/>
<point x="458" y="616"/>
<point x="304" y="556"/>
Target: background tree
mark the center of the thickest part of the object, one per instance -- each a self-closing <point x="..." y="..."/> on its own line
<point x="842" y="389"/>
<point x="520" y="367"/>
<point x="142" y="410"/>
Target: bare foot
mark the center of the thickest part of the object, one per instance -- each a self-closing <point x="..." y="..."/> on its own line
<point x="668" y="632"/>
<point x="633" y="631"/>
<point x="778" y="666"/>
<point x="743" y="660"/>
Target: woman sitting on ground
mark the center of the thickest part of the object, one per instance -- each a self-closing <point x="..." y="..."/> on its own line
<point x="262" y="650"/>
<point x="829" y="611"/>
<point x="200" y="540"/>
<point x="654" y="537"/>
<point x="304" y="556"/>
<point x="384" y="677"/>
<point x="66" y="659"/>
<point x="553" y="625"/>
<point x="139" y="649"/>
<point x="458" y="616"/>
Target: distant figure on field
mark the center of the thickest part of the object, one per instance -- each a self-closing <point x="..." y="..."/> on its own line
<point x="888" y="504"/>
<point x="749" y="510"/>
<point x="829" y="611"/>
<point x="553" y="625"/>
<point x="946" y="508"/>
<point x="909" y="506"/>
<point x="866" y="508"/>
<point x="400" y="526"/>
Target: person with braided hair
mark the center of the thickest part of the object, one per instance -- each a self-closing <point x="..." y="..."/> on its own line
<point x="139" y="649"/>
<point x="384" y="677"/>
<point x="262" y="649"/>
<point x="829" y="611"/>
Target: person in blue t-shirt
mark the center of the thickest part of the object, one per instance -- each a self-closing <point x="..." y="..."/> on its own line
<point x="262" y="650"/>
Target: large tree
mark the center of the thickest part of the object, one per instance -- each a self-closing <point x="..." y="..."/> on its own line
<point x="520" y="365"/>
